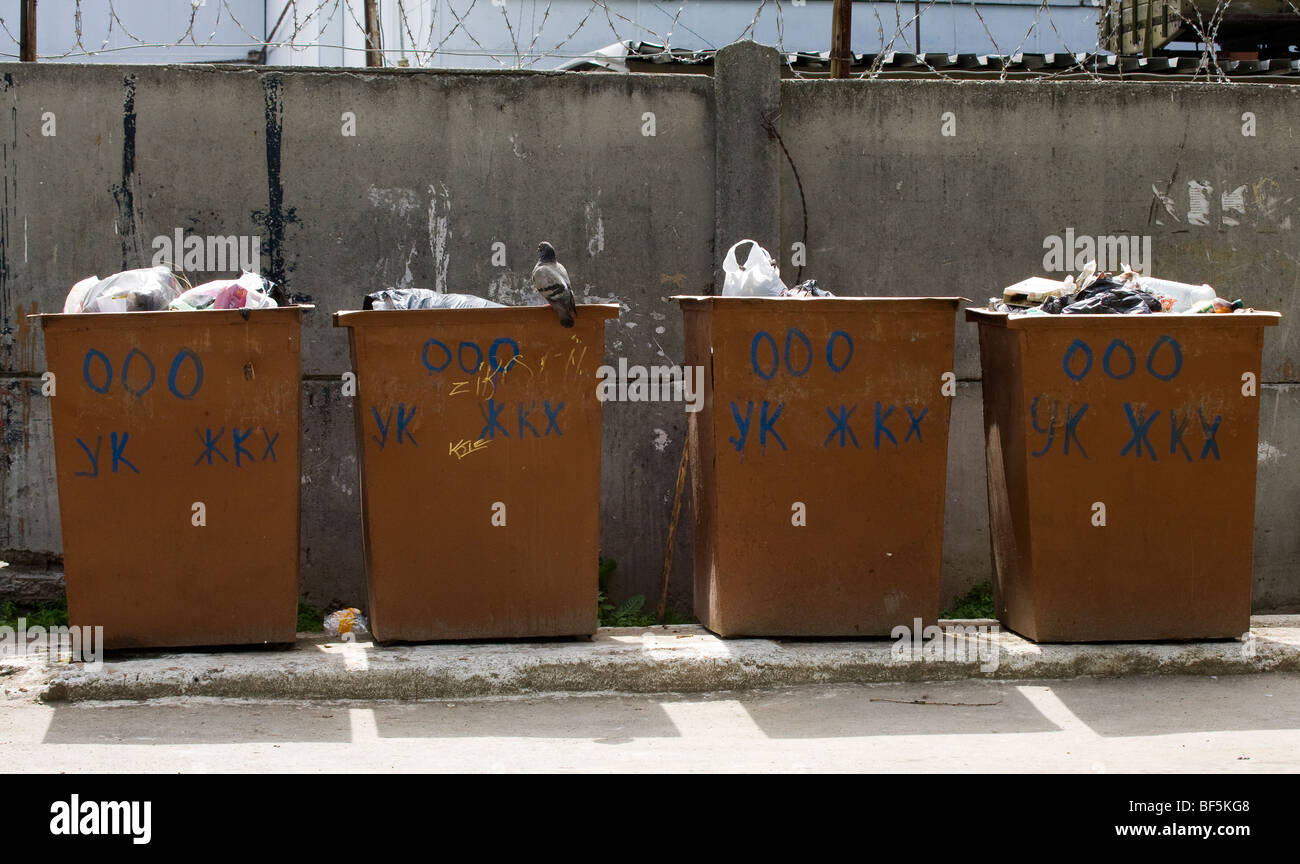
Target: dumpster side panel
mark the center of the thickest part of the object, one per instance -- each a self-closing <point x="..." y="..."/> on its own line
<point x="1135" y="454"/>
<point x="480" y="440"/>
<point x="177" y="452"/>
<point x="697" y="321"/>
<point x="1157" y="431"/>
<point x="363" y="487"/>
<point x="1001" y="353"/>
<point x="830" y="437"/>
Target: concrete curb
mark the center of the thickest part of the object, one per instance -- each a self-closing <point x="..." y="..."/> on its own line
<point x="28" y="585"/>
<point x="675" y="659"/>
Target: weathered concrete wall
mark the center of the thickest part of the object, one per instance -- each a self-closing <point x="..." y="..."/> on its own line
<point x="444" y="165"/>
<point x="898" y="207"/>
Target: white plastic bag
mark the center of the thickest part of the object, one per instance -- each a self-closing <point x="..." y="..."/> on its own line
<point x="77" y="296"/>
<point x="757" y="277"/>
<point x="147" y="290"/>
<point x="249" y="291"/>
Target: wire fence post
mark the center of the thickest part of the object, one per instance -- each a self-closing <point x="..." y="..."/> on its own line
<point x="27" y="24"/>
<point x="373" y="55"/>
<point x="841" y="28"/>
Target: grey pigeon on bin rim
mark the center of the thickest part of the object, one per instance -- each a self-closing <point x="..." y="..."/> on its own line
<point x="552" y="281"/>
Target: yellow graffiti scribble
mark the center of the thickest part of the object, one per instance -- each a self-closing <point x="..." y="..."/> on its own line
<point x="576" y="363"/>
<point x="458" y="387"/>
<point x="519" y="358"/>
<point x="484" y="385"/>
<point x="465" y="447"/>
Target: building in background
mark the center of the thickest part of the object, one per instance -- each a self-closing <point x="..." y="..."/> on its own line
<point x="531" y="34"/>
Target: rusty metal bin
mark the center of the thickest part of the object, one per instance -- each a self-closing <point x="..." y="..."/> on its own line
<point x="479" y="436"/>
<point x="819" y="461"/>
<point x="1121" y="454"/>
<point x="176" y="449"/>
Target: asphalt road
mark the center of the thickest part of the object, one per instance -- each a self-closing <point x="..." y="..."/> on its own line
<point x="1237" y="724"/>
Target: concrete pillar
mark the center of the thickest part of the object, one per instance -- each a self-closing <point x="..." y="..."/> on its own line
<point x="747" y="196"/>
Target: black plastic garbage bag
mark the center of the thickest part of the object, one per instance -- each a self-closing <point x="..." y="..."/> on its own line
<point x="1105" y="296"/>
<point x="1121" y="301"/>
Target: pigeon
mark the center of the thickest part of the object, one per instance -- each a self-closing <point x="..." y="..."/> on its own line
<point x="552" y="281"/>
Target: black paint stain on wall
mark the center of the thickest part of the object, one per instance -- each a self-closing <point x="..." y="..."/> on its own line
<point x="8" y="208"/>
<point x="124" y="195"/>
<point x="276" y="216"/>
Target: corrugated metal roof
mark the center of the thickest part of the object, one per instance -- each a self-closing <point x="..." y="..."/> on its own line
<point x="633" y="56"/>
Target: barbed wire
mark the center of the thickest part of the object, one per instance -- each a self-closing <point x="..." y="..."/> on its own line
<point x="456" y="33"/>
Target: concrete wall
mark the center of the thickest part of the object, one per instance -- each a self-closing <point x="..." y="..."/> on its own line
<point x="444" y="165"/>
<point x="897" y="207"/>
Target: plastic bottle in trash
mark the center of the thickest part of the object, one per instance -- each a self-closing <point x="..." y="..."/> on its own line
<point x="1184" y="295"/>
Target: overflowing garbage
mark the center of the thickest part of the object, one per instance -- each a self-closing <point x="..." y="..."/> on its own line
<point x="249" y="291"/>
<point x="147" y="290"/>
<point x="807" y="288"/>
<point x="1100" y="293"/>
<point x="157" y="289"/>
<point x="760" y="276"/>
<point x="423" y="298"/>
<point x="548" y="278"/>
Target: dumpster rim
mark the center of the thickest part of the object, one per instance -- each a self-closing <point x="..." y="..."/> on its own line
<point x="1259" y="318"/>
<point x="120" y="319"/>
<point x="703" y="299"/>
<point x="390" y="317"/>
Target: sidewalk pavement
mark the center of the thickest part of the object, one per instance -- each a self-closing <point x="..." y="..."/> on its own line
<point x="670" y="659"/>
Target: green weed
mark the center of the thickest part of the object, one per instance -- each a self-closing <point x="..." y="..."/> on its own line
<point x="975" y="603"/>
